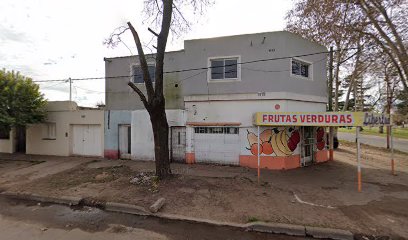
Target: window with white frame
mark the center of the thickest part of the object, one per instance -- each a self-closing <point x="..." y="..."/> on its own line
<point x="137" y="73"/>
<point x="224" y="68"/>
<point x="300" y="68"/>
<point x="50" y="131"/>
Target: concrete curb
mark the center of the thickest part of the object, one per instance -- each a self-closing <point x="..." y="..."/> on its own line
<point x="64" y="200"/>
<point x="126" y="208"/>
<point x="198" y="220"/>
<point x="337" y="234"/>
<point x="274" y="228"/>
<point x="277" y="228"/>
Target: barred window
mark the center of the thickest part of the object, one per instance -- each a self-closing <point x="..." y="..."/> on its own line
<point x="217" y="130"/>
<point x="300" y="68"/>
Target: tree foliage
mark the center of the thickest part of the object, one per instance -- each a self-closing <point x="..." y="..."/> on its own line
<point x="366" y="33"/>
<point x="21" y="102"/>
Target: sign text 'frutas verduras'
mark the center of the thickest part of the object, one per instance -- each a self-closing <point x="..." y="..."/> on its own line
<point x="320" y="119"/>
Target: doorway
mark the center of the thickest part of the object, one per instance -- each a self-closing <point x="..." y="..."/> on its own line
<point x="177" y="144"/>
<point x="125" y="141"/>
<point x="308" y="143"/>
<point x="21" y="139"/>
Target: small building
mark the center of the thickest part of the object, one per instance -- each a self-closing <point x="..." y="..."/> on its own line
<point x="210" y="105"/>
<point x="8" y="141"/>
<point x="69" y="130"/>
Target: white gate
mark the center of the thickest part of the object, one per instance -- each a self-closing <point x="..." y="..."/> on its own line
<point x="86" y="140"/>
<point x="307" y="144"/>
<point x="217" y="145"/>
<point x="178" y="144"/>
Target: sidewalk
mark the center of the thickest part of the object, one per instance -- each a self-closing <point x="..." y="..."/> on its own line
<point x="400" y="144"/>
<point x="323" y="195"/>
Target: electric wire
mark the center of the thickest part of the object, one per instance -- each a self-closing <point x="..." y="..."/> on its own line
<point x="187" y="78"/>
<point x="192" y="69"/>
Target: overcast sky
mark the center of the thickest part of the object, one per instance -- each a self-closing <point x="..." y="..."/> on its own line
<point x="49" y="39"/>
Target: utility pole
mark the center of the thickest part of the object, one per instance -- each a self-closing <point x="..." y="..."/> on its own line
<point x="330" y="99"/>
<point x="330" y="88"/>
<point x="70" y="89"/>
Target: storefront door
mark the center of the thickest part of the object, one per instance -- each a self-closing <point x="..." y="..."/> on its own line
<point x="308" y="143"/>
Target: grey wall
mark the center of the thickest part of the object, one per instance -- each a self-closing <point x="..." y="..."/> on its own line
<point x="119" y="96"/>
<point x="267" y="76"/>
<point x="255" y="77"/>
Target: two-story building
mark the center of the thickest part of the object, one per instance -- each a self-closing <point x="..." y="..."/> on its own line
<point x="211" y="103"/>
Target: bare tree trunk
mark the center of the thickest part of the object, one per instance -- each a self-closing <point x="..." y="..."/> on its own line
<point x="161" y="141"/>
<point x="155" y="102"/>
<point x="354" y="77"/>
<point x="346" y="102"/>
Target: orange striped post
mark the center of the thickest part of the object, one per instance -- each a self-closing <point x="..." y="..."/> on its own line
<point x="259" y="158"/>
<point x="358" y="159"/>
<point x="392" y="152"/>
<point x="331" y="143"/>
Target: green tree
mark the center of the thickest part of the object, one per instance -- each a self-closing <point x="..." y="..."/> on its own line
<point x="21" y="102"/>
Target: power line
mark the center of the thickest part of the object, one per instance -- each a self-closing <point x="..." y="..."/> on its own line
<point x="98" y="92"/>
<point x="186" y="78"/>
<point x="192" y="69"/>
<point x="52" y="85"/>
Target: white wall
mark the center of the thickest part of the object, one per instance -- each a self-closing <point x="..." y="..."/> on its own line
<point x="61" y="146"/>
<point x="8" y="145"/>
<point x="242" y="111"/>
<point x="142" y="133"/>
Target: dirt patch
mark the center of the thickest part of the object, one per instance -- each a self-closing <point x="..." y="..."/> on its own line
<point x="82" y="175"/>
<point x="78" y="176"/>
<point x="390" y="215"/>
<point x="322" y="195"/>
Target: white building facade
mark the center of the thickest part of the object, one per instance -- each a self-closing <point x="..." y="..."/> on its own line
<point x="210" y="106"/>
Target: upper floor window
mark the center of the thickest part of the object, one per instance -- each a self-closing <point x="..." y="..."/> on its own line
<point x="224" y="68"/>
<point x="300" y="68"/>
<point x="137" y="73"/>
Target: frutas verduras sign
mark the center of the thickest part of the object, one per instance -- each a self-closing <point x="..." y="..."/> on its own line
<point x="320" y="119"/>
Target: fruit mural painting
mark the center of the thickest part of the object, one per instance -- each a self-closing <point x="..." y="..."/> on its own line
<point x="320" y="138"/>
<point x="281" y="141"/>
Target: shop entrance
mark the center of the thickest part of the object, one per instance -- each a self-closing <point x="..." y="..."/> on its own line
<point x="308" y="143"/>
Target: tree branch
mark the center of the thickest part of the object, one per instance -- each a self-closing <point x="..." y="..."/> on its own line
<point x="399" y="53"/>
<point x="141" y="95"/>
<point x="143" y="64"/>
<point x="161" y="46"/>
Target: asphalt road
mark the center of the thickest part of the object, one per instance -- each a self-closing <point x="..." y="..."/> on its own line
<point x="29" y="220"/>
<point x="377" y="141"/>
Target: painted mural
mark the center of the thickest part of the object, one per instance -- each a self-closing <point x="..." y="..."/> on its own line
<point x="320" y="143"/>
<point x="278" y="141"/>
